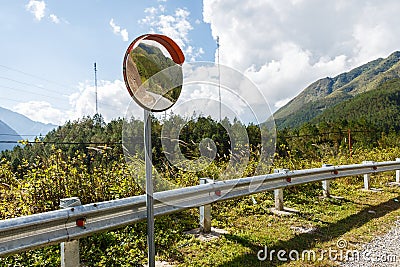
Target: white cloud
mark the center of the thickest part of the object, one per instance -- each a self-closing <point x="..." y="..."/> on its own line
<point x="176" y="26"/>
<point x="54" y="18"/>
<point x="151" y="10"/>
<point x="124" y="35"/>
<point x="112" y="96"/>
<point x="41" y="111"/>
<point x="118" y="31"/>
<point x="37" y="8"/>
<point x="285" y="45"/>
<point x="282" y="102"/>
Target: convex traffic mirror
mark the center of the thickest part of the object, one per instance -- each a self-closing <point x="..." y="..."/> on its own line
<point x="152" y="71"/>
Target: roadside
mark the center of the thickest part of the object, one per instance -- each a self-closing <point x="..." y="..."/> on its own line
<point x="381" y="251"/>
<point x="323" y="225"/>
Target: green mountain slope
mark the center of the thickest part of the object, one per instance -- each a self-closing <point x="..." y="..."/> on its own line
<point x="328" y="92"/>
<point x="379" y="108"/>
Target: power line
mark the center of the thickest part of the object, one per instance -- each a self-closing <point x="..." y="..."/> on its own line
<point x="58" y="143"/>
<point x="30" y="92"/>
<point x="18" y="134"/>
<point x="30" y="84"/>
<point x="40" y="87"/>
<point x="31" y="75"/>
<point x="19" y="100"/>
<point x="43" y="88"/>
<point x="10" y="99"/>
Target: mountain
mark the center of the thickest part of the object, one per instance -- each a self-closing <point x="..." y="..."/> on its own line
<point x="379" y="108"/>
<point x="8" y="137"/>
<point x="328" y="92"/>
<point x="24" y="126"/>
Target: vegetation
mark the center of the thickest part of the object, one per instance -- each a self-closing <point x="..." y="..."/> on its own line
<point x="377" y="109"/>
<point x="328" y="92"/>
<point x="85" y="158"/>
<point x="342" y="120"/>
<point x="368" y="120"/>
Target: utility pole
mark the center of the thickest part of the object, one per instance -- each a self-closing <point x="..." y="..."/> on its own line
<point x="219" y="82"/>
<point x="95" y="85"/>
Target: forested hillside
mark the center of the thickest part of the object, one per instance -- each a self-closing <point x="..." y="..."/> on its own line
<point x="328" y="92"/>
<point x="378" y="109"/>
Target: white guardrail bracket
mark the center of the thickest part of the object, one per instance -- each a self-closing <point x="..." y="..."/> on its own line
<point x="70" y="249"/>
<point x="279" y="208"/>
<point x="326" y="188"/>
<point x="205" y="211"/>
<point x="367" y="176"/>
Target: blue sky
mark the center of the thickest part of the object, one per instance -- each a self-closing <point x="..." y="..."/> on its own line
<point x="48" y="47"/>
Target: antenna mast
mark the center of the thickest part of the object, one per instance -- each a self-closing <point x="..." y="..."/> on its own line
<point x="219" y="81"/>
<point x="95" y="85"/>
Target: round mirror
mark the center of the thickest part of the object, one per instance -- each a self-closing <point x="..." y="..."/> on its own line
<point x="152" y="71"/>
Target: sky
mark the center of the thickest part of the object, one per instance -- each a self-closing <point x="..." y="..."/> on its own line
<point x="48" y="47"/>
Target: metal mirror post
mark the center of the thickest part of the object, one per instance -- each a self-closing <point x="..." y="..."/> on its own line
<point x="153" y="76"/>
<point x="149" y="189"/>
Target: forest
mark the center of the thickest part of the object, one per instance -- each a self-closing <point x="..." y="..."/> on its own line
<point x="86" y="158"/>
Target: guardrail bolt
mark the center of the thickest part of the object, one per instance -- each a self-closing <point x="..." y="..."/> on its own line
<point x="326" y="187"/>
<point x="81" y="222"/>
<point x="70" y="249"/>
<point x="205" y="211"/>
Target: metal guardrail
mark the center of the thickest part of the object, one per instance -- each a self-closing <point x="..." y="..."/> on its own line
<point x="43" y="229"/>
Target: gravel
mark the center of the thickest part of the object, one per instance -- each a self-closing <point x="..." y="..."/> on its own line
<point x="381" y="251"/>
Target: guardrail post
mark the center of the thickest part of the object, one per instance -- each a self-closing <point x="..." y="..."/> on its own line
<point x="326" y="188"/>
<point x="70" y="249"/>
<point x="367" y="177"/>
<point x="205" y="211"/>
<point x="398" y="173"/>
<point x="278" y="193"/>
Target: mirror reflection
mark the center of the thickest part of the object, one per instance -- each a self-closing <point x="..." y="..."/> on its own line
<point x="153" y="78"/>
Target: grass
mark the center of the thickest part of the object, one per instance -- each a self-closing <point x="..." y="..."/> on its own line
<point x="356" y="218"/>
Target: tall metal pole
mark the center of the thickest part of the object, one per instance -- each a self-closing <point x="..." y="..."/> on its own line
<point x="149" y="189"/>
<point x="95" y="85"/>
<point x="219" y="81"/>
